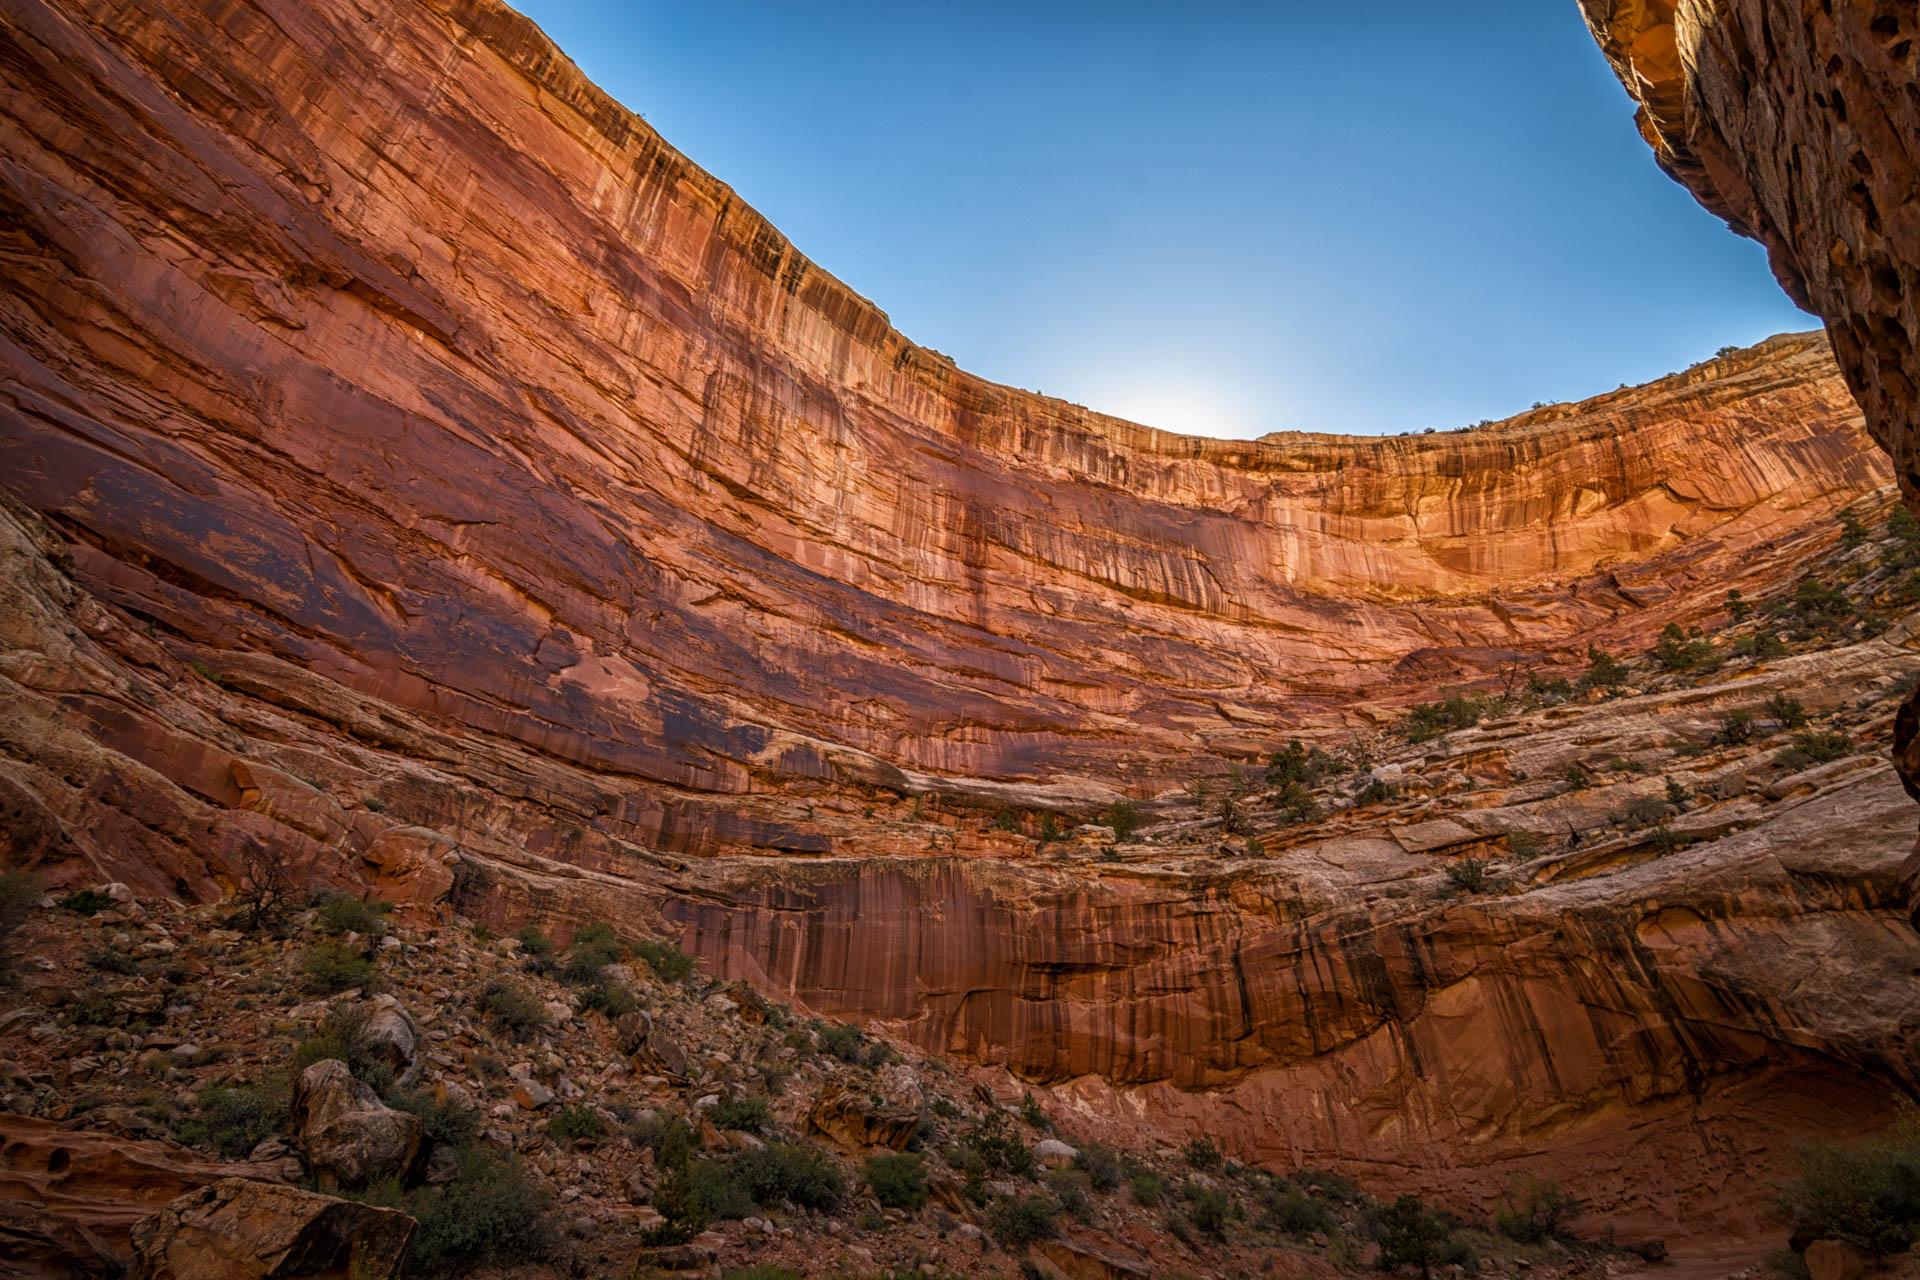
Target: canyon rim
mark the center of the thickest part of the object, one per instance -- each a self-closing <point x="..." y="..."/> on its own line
<point x="420" y="483"/>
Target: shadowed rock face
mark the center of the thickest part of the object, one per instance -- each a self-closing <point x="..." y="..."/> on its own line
<point x="1797" y="123"/>
<point x="1800" y="125"/>
<point x="417" y="470"/>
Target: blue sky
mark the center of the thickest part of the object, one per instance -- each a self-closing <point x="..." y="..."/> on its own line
<point x="1209" y="217"/>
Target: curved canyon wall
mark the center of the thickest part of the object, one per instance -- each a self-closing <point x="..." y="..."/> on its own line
<point x="415" y="467"/>
<point x="615" y="473"/>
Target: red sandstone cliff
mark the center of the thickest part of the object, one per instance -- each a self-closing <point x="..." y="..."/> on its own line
<point x="420" y="468"/>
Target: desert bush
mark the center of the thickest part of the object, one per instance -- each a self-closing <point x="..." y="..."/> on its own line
<point x="1297" y="762"/>
<point x="446" y="1119"/>
<point x="1852" y="531"/>
<point x="1604" y="671"/>
<point x="85" y="902"/>
<point x="788" y="1171"/>
<point x="1642" y="811"/>
<point x="1124" y="817"/>
<point x="1469" y="874"/>
<point x="1410" y="1234"/>
<point x="591" y="951"/>
<point x="329" y="967"/>
<point x="1764" y="643"/>
<point x="1202" y="1154"/>
<point x="1787" y="710"/>
<point x="574" y="1123"/>
<point x="1736" y="727"/>
<point x="1533" y="1209"/>
<point x="533" y="942"/>
<point x="234" y="1118"/>
<point x="899" y="1181"/>
<point x="1102" y="1167"/>
<point x="340" y="914"/>
<point x="491" y="1213"/>
<point x="1737" y="606"/>
<point x="1286" y="1209"/>
<point x="1147" y="1187"/>
<point x="1812" y="746"/>
<point x="1332" y="1185"/>
<point x="1208" y="1209"/>
<point x="668" y="962"/>
<point x="1523" y="844"/>
<point x="615" y="999"/>
<point x="748" y="1115"/>
<point x="1377" y="791"/>
<point x="991" y="1149"/>
<point x="844" y="1041"/>
<point x="341" y="1034"/>
<point x="1867" y="1194"/>
<point x="1022" y="1221"/>
<point x="1678" y="651"/>
<point x="1578" y="777"/>
<point x="1071" y="1192"/>
<point x="513" y="1007"/>
<point x="1430" y="720"/>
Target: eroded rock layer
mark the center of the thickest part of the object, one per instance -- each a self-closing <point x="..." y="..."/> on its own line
<point x="418" y="473"/>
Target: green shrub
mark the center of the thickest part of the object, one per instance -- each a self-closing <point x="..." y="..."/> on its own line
<point x="1677" y="794"/>
<point x="1604" y="671"/>
<point x="341" y="1035"/>
<point x="1201" y="1153"/>
<point x="592" y="950"/>
<point x="899" y="1181"/>
<point x="341" y="914"/>
<point x="1297" y="762"/>
<point x="1522" y="845"/>
<point x="1852" y="532"/>
<point x="1469" y="874"/>
<point x="1071" y="1193"/>
<point x="748" y="1115"/>
<point x="1035" y="1115"/>
<point x="1787" y="710"/>
<point x="330" y="967"/>
<point x="1737" y="606"/>
<point x="1410" y="1234"/>
<point x="112" y="960"/>
<point x="491" y="1213"/>
<point x="702" y="1191"/>
<point x="1578" y="777"/>
<point x="1100" y="1164"/>
<point x="668" y="962"/>
<point x="615" y="999"/>
<point x="1764" y="643"/>
<point x="1549" y="688"/>
<point x="1147" y="1187"/>
<point x="991" y="1149"/>
<point x="1736" y="727"/>
<point x="533" y="942"/>
<point x="1022" y="1221"/>
<point x="1124" y="817"/>
<point x="1430" y="720"/>
<point x="1677" y="651"/>
<point x="843" y="1041"/>
<point x="1642" y="811"/>
<point x="575" y="1123"/>
<point x="233" y="1119"/>
<point x="670" y="1136"/>
<point x="85" y="902"/>
<point x="1329" y="1184"/>
<point x="1286" y="1209"/>
<point x="787" y="1171"/>
<point x="513" y="1007"/>
<point x="1533" y="1209"/>
<point x="445" y="1118"/>
<point x="1812" y="746"/>
<point x="1208" y="1208"/>
<point x="1867" y="1194"/>
<point x="1377" y="791"/>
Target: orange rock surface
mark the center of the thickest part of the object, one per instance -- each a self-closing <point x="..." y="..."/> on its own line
<point x="422" y="473"/>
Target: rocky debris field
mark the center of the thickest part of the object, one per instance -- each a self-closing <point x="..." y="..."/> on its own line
<point x="173" y="1077"/>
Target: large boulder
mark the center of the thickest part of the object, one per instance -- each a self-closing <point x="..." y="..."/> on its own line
<point x="391" y="1036"/>
<point x="346" y="1134"/>
<point x="239" y="1230"/>
<point x="860" y="1122"/>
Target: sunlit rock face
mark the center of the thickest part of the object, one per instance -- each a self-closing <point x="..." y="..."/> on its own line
<point x="416" y="469"/>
